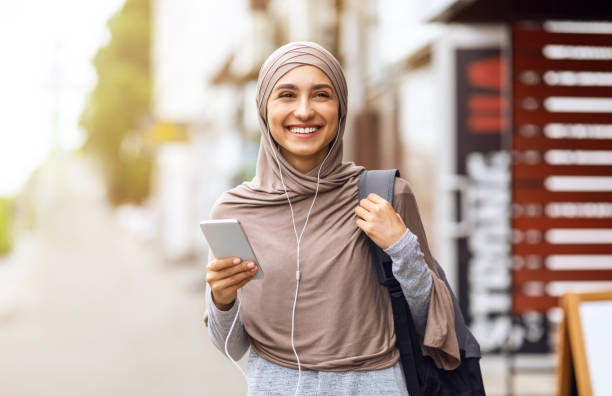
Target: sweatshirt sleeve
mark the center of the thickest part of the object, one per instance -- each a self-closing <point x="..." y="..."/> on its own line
<point x="219" y="324"/>
<point x="411" y="271"/>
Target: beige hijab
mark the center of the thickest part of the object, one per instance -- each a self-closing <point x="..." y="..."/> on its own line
<point x="343" y="318"/>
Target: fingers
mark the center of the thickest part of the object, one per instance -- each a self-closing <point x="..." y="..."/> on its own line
<point x="374" y="201"/>
<point x="244" y="266"/>
<point x="363" y="213"/>
<point x="377" y="198"/>
<point x="379" y="220"/>
<point x="225" y="285"/>
<point x="227" y="272"/>
<point x="367" y="204"/>
<point x="364" y="225"/>
<point x="223" y="263"/>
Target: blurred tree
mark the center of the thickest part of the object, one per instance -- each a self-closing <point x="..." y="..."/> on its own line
<point x="6" y="225"/>
<point x="119" y="106"/>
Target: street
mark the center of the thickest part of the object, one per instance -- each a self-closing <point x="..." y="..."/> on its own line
<point x="86" y="308"/>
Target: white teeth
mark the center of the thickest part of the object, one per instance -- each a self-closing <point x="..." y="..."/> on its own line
<point x="303" y="130"/>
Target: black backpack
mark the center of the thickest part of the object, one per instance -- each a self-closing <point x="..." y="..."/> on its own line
<point x="423" y="378"/>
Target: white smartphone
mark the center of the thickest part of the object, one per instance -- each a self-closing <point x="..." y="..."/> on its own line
<point x="226" y="238"/>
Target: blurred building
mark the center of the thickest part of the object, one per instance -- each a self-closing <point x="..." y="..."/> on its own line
<point x="556" y="103"/>
<point x="531" y="119"/>
<point x="191" y="42"/>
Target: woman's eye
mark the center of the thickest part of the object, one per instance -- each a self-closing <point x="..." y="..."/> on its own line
<point x="323" y="95"/>
<point x="285" y="95"/>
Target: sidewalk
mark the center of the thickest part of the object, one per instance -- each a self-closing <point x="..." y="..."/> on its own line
<point x="93" y="311"/>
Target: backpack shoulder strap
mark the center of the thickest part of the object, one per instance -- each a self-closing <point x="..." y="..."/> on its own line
<point x="380" y="182"/>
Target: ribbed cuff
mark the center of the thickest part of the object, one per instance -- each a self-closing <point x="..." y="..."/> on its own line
<point x="407" y="241"/>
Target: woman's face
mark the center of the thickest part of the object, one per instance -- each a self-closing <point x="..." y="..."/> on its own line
<point x="303" y="116"/>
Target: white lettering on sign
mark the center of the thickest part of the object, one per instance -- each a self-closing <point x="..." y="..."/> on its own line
<point x="577" y="131"/>
<point x="488" y="212"/>
<point x="578" y="209"/>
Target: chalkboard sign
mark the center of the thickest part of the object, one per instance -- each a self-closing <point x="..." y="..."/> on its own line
<point x="585" y="348"/>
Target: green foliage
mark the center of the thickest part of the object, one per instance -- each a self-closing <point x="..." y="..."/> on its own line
<point x="6" y="225"/>
<point x="119" y="106"/>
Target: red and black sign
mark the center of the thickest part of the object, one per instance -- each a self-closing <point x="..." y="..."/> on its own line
<point x="483" y="197"/>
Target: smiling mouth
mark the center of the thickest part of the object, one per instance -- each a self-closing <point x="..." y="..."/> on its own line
<point x="303" y="131"/>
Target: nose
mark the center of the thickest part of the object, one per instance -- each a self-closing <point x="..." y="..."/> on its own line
<point x="304" y="110"/>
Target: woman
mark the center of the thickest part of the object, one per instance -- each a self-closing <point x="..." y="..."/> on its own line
<point x="319" y="322"/>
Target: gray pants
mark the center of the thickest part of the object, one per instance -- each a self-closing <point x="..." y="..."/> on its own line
<point x="269" y="379"/>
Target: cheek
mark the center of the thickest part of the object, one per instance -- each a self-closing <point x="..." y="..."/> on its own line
<point x="272" y="117"/>
<point x="329" y="111"/>
<point x="331" y="116"/>
<point x="275" y="123"/>
<point x="276" y="115"/>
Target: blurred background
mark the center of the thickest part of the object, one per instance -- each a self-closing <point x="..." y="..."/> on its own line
<point x="123" y="121"/>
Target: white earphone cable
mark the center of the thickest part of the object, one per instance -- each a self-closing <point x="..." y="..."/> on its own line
<point x="227" y="339"/>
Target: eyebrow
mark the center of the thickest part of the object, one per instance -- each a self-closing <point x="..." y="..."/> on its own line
<point x="293" y="87"/>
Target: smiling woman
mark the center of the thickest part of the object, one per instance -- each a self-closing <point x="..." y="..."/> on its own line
<point x="319" y="321"/>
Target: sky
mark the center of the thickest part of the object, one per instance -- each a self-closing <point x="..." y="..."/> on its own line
<point x="45" y="75"/>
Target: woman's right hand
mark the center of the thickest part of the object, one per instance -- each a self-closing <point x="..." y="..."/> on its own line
<point x="225" y="276"/>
